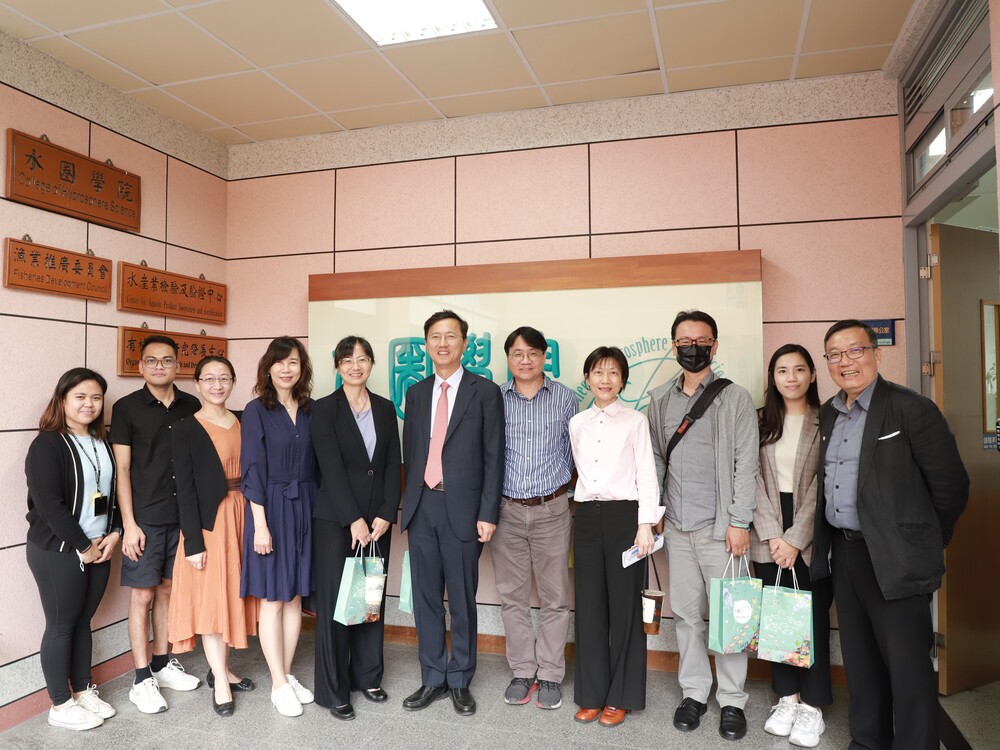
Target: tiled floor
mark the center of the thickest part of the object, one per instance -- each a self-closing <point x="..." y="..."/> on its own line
<point x="191" y="723"/>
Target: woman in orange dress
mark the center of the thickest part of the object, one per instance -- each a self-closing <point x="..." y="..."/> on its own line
<point x="206" y="589"/>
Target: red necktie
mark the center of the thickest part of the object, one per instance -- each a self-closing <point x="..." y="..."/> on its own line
<point x="434" y="473"/>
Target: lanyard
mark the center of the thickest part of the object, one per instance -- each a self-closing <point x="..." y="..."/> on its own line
<point x="95" y="461"/>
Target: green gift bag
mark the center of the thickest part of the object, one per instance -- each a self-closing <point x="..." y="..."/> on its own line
<point x="374" y="583"/>
<point x="786" y="624"/>
<point x="406" y="586"/>
<point x="350" y="607"/>
<point x="734" y="610"/>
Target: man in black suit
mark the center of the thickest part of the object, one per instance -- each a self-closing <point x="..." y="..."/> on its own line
<point x="891" y="488"/>
<point x="453" y="450"/>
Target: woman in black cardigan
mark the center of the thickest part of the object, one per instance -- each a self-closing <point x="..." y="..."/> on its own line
<point x="356" y="439"/>
<point x="73" y="528"/>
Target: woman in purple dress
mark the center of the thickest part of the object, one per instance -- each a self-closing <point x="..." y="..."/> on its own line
<point x="279" y="481"/>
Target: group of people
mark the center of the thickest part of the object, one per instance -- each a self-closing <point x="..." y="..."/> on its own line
<point x="226" y="524"/>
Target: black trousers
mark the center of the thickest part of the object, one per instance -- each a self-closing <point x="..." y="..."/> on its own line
<point x="886" y="644"/>
<point x="347" y="657"/>
<point x="439" y="558"/>
<point x="70" y="597"/>
<point x="610" y="644"/>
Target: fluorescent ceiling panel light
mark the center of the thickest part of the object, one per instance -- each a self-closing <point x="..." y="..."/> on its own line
<point x="397" y="21"/>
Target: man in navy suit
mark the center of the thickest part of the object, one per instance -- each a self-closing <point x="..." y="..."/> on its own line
<point x="453" y="450"/>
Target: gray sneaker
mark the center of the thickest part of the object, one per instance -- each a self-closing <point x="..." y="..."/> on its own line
<point x="549" y="695"/>
<point x="519" y="691"/>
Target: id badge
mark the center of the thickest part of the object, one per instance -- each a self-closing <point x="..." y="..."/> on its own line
<point x="100" y="504"/>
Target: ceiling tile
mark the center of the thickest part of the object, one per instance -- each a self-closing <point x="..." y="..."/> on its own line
<point x="266" y="131"/>
<point x="841" y="62"/>
<point x="733" y="74"/>
<point x="349" y="82"/>
<point x="77" y="57"/>
<point x="63" y="15"/>
<point x="620" y="87"/>
<point x="496" y="101"/>
<point x="17" y="25"/>
<point x="228" y="136"/>
<point x="247" y="97"/>
<point x="271" y="33"/>
<point x="461" y="65"/>
<point x="729" y="31"/>
<point x="175" y="109"/>
<point x="516" y="13"/>
<point x="588" y="49"/>
<point x="836" y="24"/>
<point x="393" y="114"/>
<point x="162" y="49"/>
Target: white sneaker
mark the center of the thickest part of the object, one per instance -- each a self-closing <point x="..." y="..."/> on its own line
<point x="808" y="726"/>
<point x="73" y="716"/>
<point x="304" y="695"/>
<point x="174" y="677"/>
<point x="90" y="699"/>
<point x="146" y="696"/>
<point x="285" y="701"/>
<point x="782" y="717"/>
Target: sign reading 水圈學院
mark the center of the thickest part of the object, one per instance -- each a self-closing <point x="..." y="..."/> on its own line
<point x="39" y="268"/>
<point x="149" y="290"/>
<point x="192" y="347"/>
<point x="44" y="175"/>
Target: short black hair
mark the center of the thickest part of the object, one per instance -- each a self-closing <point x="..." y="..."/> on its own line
<point x="842" y="325"/>
<point x="446" y="315"/>
<point x="613" y="353"/>
<point x="158" y="338"/>
<point x="345" y="349"/>
<point x="532" y="337"/>
<point x="698" y="317"/>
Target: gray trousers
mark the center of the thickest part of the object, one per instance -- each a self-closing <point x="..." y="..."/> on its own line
<point x="534" y="539"/>
<point x="694" y="558"/>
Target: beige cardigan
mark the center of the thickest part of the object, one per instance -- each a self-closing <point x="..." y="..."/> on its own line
<point x="767" y="515"/>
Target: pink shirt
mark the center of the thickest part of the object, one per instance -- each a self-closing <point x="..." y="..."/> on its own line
<point x="614" y="458"/>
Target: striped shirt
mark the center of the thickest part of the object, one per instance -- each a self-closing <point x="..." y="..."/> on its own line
<point x="538" y="459"/>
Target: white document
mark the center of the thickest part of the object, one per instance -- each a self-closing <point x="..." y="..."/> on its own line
<point x="631" y="555"/>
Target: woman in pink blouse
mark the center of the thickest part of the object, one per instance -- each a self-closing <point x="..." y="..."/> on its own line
<point x="617" y="504"/>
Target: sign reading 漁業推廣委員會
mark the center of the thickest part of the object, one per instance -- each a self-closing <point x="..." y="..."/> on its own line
<point x="39" y="268"/>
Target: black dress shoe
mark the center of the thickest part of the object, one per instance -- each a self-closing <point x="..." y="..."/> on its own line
<point x="462" y="700"/>
<point x="688" y="715"/>
<point x="223" y="709"/>
<point x="244" y="686"/>
<point x="344" y="713"/>
<point x="733" y="724"/>
<point x="376" y="695"/>
<point x="424" y="697"/>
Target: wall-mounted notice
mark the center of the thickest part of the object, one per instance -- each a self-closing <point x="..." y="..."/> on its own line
<point x="47" y="176"/>
<point x="47" y="269"/>
<point x="149" y="290"/>
<point x="191" y="345"/>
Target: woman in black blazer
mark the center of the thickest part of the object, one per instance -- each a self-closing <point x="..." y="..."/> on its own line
<point x="73" y="529"/>
<point x="356" y="439"/>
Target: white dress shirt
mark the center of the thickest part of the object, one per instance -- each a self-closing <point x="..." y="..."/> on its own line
<point x="453" y="382"/>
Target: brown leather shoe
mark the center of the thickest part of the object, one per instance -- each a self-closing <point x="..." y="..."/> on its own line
<point x="587" y="715"/>
<point x="612" y="717"/>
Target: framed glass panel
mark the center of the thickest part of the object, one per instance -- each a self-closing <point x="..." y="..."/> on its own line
<point x="991" y="348"/>
<point x="977" y="98"/>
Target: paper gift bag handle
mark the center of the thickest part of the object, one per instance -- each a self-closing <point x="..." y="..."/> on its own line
<point x="374" y="551"/>
<point x="737" y="567"/>
<point x="795" y="580"/>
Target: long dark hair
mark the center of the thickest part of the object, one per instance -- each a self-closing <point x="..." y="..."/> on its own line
<point x="279" y="349"/>
<point x="772" y="416"/>
<point x="54" y="417"/>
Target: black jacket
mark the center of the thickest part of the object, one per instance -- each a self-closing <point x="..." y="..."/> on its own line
<point x="351" y="485"/>
<point x="54" y="471"/>
<point x="201" y="481"/>
<point x="912" y="487"/>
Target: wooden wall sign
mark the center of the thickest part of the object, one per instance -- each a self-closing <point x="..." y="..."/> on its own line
<point x="47" y="269"/>
<point x="149" y="290"/>
<point x="191" y="345"/>
<point x="47" y="176"/>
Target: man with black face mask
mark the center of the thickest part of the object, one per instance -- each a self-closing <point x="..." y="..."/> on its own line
<point x="709" y="489"/>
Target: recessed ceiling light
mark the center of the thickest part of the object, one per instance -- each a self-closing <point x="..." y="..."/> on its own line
<point x="397" y="21"/>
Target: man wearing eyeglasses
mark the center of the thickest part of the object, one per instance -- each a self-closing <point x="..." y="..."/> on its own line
<point x="891" y="488"/>
<point x="147" y="497"/>
<point x="534" y="529"/>
<point x="709" y="489"/>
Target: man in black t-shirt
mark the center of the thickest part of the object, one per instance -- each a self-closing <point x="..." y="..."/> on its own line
<point x="147" y="499"/>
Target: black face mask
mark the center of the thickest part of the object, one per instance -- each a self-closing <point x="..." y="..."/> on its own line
<point x="694" y="358"/>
